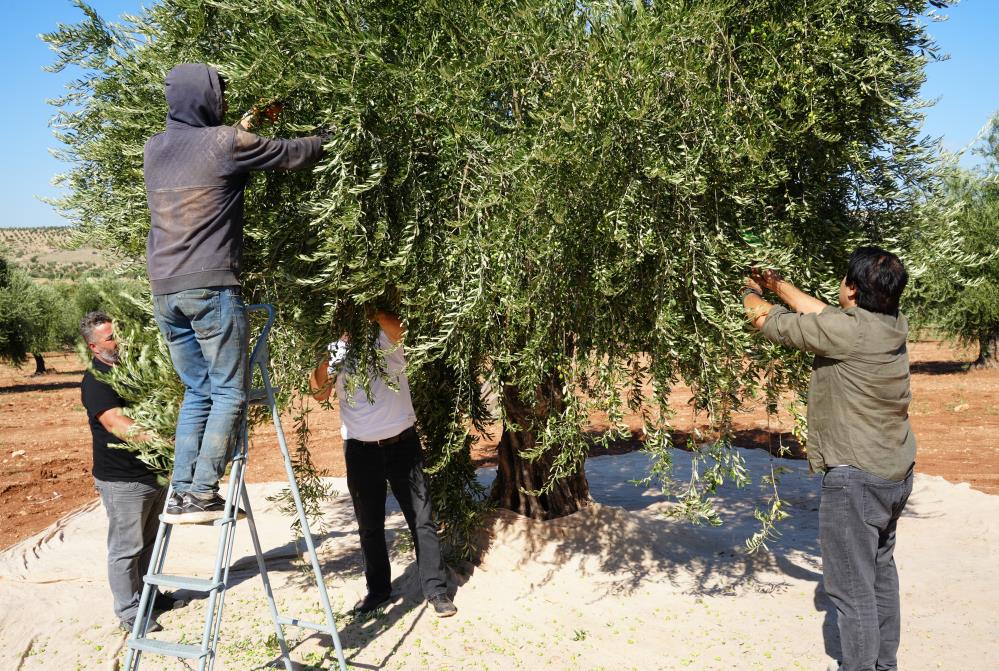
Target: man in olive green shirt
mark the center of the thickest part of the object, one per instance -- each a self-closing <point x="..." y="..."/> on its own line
<point x="859" y="437"/>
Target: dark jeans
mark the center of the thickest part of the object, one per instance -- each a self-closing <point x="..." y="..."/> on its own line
<point x="857" y="518"/>
<point x="206" y="333"/>
<point x="369" y="467"/>
<point x="133" y="510"/>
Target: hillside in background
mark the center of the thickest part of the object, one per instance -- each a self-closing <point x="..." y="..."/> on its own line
<point x="48" y="253"/>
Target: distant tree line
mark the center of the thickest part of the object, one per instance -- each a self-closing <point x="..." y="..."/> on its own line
<point x="957" y="294"/>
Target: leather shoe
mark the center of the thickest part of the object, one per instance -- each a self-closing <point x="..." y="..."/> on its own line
<point x="126" y="626"/>
<point x="166" y="601"/>
<point x="371" y="602"/>
<point x="442" y="605"/>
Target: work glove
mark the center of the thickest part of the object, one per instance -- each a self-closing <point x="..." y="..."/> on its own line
<point x="324" y="133"/>
<point x="265" y="110"/>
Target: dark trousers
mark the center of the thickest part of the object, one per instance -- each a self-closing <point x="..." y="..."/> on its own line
<point x="857" y="518"/>
<point x="133" y="510"/>
<point x="369" y="467"/>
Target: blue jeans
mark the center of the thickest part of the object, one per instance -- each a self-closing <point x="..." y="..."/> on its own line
<point x="206" y="333"/>
<point x="858" y="515"/>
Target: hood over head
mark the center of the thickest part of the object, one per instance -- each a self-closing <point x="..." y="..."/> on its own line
<point x="194" y="95"/>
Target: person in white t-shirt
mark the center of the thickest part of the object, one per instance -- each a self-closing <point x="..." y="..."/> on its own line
<point x="381" y="445"/>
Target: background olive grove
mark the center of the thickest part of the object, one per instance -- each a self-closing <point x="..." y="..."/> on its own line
<point x="37" y="317"/>
<point x="957" y="294"/>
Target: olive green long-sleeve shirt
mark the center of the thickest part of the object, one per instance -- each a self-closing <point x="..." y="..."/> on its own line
<point x="858" y="397"/>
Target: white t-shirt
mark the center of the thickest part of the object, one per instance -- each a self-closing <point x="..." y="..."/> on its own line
<point x="389" y="412"/>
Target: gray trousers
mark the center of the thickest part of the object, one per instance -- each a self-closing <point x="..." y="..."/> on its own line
<point x="133" y="510"/>
<point x="857" y="518"/>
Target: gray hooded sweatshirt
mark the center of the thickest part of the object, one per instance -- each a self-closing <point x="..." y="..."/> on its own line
<point x="195" y="174"/>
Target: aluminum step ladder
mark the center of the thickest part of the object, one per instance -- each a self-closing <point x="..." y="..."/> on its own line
<point x="215" y="587"/>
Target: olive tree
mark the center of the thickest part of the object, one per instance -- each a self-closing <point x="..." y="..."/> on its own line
<point x="958" y="293"/>
<point x="34" y="318"/>
<point x="559" y="197"/>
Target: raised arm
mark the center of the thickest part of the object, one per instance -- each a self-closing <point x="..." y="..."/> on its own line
<point x="757" y="308"/>
<point x="252" y="152"/>
<point x="390" y="323"/>
<point x="790" y="295"/>
<point x="320" y="384"/>
<point x="830" y="333"/>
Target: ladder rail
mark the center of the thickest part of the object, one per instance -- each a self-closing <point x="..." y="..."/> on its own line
<point x="304" y="521"/>
<point x="146" y="598"/>
<point x="268" y="590"/>
<point x="260" y="359"/>
<point x="223" y="557"/>
<point x="206" y="653"/>
<point x="260" y="347"/>
<point x="232" y="513"/>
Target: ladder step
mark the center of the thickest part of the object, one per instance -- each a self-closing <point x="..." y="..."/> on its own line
<point x="217" y="522"/>
<point x="167" y="648"/>
<point x="180" y="582"/>
<point x="227" y="520"/>
<point x="259" y="396"/>
<point x="295" y="622"/>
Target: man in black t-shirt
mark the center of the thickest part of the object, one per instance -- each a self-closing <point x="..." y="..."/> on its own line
<point x="132" y="496"/>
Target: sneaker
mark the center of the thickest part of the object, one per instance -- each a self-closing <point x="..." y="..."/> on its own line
<point x="166" y="601"/>
<point x="127" y="625"/>
<point x="371" y="602"/>
<point x="174" y="503"/>
<point x="442" y="604"/>
<point x="196" y="510"/>
<point x="833" y="666"/>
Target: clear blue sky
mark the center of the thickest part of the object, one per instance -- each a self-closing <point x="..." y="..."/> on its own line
<point x="967" y="86"/>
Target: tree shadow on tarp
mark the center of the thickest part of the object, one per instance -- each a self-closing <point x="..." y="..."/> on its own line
<point x="337" y="561"/>
<point x="628" y="538"/>
<point x="361" y="629"/>
<point x="409" y="596"/>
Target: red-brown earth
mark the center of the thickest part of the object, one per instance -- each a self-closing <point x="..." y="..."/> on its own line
<point x="45" y="442"/>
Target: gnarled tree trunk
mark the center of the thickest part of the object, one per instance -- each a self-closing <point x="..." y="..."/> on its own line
<point x="518" y="479"/>
<point x="988" y="354"/>
<point x="39" y="364"/>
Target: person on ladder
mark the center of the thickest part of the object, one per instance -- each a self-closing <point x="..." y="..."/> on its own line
<point x="129" y="490"/>
<point x="381" y="445"/>
<point x="196" y="172"/>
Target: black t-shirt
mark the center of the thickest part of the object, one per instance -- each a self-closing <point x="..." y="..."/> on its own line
<point x="112" y="464"/>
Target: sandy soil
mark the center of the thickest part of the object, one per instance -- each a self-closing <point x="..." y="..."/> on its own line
<point x="45" y="441"/>
<point x="616" y="586"/>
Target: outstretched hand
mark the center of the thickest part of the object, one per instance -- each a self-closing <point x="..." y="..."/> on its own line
<point x="751" y="284"/>
<point x="766" y="278"/>
<point x="795" y="298"/>
<point x="757" y="308"/>
<point x="264" y="111"/>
